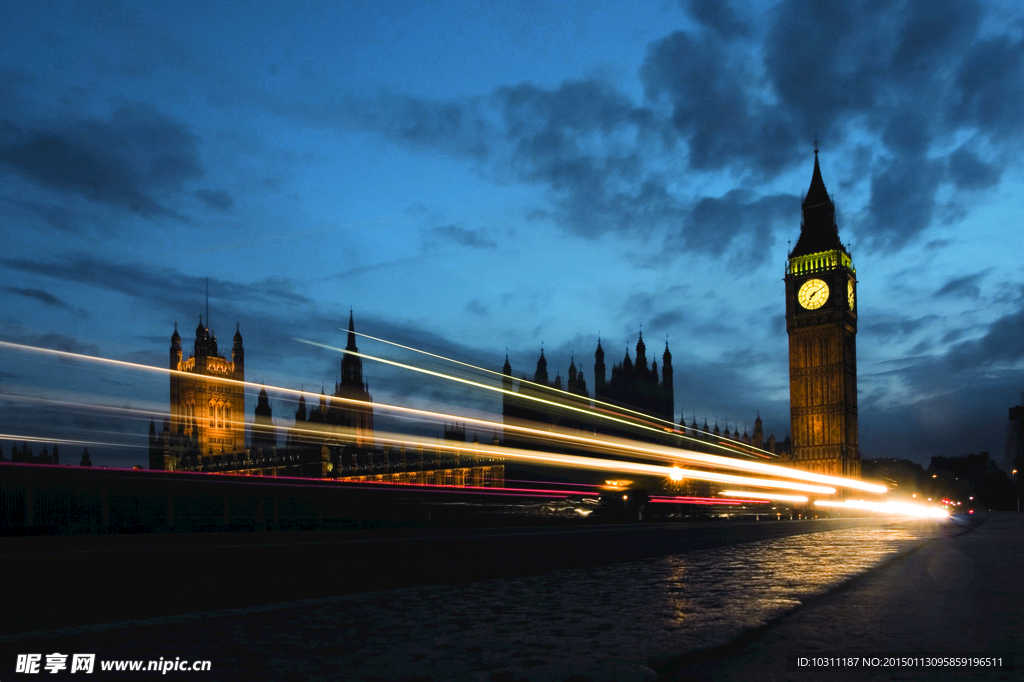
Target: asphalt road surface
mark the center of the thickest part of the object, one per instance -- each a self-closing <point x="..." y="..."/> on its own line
<point x="53" y="582"/>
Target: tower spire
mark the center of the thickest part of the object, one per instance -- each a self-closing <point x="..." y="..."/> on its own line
<point x="207" y="302"/>
<point x="818" y="231"/>
<point x="351" y="332"/>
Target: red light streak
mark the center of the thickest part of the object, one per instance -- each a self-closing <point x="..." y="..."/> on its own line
<point x="703" y="500"/>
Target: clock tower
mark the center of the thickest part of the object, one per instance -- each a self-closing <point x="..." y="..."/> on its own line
<point x="821" y="320"/>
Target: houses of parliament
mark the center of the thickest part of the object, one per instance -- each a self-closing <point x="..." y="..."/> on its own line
<point x="205" y="429"/>
<point x="633" y="384"/>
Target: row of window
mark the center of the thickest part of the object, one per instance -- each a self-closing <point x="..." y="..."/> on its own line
<point x="220" y="413"/>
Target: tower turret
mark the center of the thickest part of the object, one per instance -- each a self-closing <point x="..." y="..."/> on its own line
<point x="351" y="364"/>
<point x="666" y="367"/>
<point x="175" y="347"/>
<point x="541" y="375"/>
<point x="641" y="355"/>
<point x="238" y="354"/>
<point x="264" y="434"/>
<point x="506" y="375"/>
<point x="201" y="346"/>
<point x="757" y="438"/>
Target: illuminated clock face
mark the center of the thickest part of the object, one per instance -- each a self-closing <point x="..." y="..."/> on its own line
<point x="849" y="293"/>
<point x="813" y="294"/>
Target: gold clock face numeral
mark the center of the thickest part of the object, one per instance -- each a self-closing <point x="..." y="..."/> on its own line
<point x="849" y="293"/>
<point x="813" y="294"/>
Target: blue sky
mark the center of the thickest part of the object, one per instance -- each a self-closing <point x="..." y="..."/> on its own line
<point x="475" y="176"/>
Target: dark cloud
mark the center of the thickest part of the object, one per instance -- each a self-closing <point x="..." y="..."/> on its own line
<point x="457" y="127"/>
<point x="1000" y="344"/>
<point x="667" y="320"/>
<point x="583" y="140"/>
<point x="717" y="15"/>
<point x="151" y="283"/>
<point x="460" y="235"/>
<point x="953" y="335"/>
<point x="133" y="160"/>
<point x="902" y="200"/>
<point x="745" y="95"/>
<point x="714" y="106"/>
<point x="39" y="295"/>
<point x="890" y="69"/>
<point x="966" y="286"/>
<point x="475" y="307"/>
<point x="969" y="172"/>
<point x="988" y="83"/>
<point x="218" y="199"/>
<point x="886" y="328"/>
<point x="57" y="342"/>
<point x="941" y="423"/>
<point x="715" y="224"/>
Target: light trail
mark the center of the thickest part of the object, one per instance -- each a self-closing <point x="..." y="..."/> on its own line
<point x="689" y="499"/>
<point x="694" y="501"/>
<point x="515" y="492"/>
<point x="764" y="496"/>
<point x="896" y="508"/>
<point x="487" y="387"/>
<point x="600" y="464"/>
<point x="135" y="412"/>
<point x="675" y="428"/>
<point x="714" y="460"/>
<point x="605" y="443"/>
<point x="731" y="445"/>
<point x="578" y="485"/>
<point x="62" y="441"/>
<point x="677" y="454"/>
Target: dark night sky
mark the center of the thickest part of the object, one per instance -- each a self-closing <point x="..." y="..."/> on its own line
<point x="481" y="175"/>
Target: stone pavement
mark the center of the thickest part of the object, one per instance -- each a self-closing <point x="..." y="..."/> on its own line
<point x="957" y="594"/>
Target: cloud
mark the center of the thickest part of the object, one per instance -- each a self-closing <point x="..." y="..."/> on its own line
<point x="150" y="283"/>
<point x="999" y="345"/>
<point x="718" y="16"/>
<point x="889" y="327"/>
<point x="473" y="238"/>
<point x="57" y="342"/>
<point x="666" y="320"/>
<point x="218" y="199"/>
<point x="971" y="173"/>
<point x="39" y="295"/>
<point x="716" y="106"/>
<point x="988" y="85"/>
<point x="902" y="200"/>
<point x="744" y="94"/>
<point x="475" y="307"/>
<point x="966" y="286"/>
<point x="714" y="224"/>
<point x="133" y="160"/>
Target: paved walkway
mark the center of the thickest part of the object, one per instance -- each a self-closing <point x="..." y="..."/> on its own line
<point x="956" y="594"/>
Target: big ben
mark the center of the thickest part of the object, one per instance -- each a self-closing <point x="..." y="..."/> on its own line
<point x="821" y="320"/>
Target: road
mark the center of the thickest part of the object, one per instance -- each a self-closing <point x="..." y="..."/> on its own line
<point x="58" y="582"/>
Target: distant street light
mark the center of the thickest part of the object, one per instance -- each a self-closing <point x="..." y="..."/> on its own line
<point x="1017" y="488"/>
